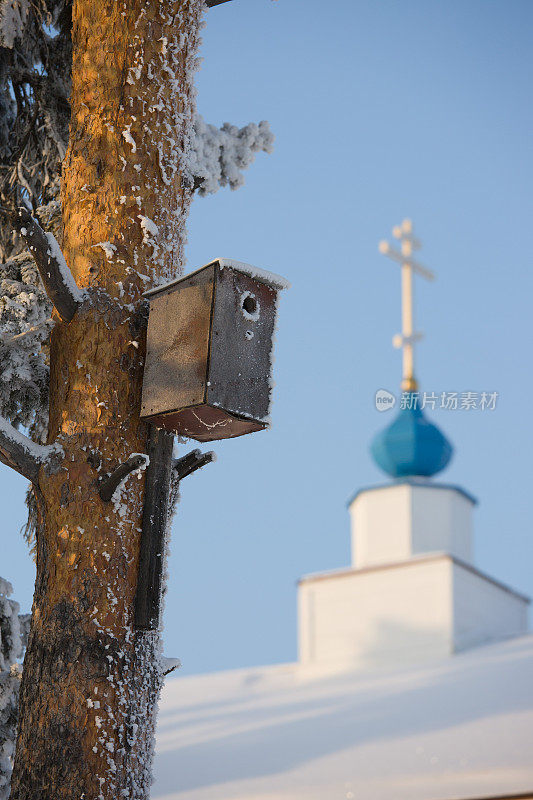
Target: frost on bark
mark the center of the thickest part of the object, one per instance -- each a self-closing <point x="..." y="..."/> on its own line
<point x="88" y="731"/>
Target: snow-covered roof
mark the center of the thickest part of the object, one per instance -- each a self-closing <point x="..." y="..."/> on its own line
<point x="270" y="278"/>
<point x="459" y="728"/>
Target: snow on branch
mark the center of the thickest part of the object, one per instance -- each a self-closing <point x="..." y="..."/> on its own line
<point x="218" y="156"/>
<point x="57" y="278"/>
<point x="168" y="665"/>
<point x="19" y="336"/>
<point x="23" y="455"/>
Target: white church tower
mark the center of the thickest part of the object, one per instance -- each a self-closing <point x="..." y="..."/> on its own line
<point x="412" y="592"/>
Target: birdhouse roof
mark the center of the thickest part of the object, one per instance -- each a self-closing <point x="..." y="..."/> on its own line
<point x="270" y="278"/>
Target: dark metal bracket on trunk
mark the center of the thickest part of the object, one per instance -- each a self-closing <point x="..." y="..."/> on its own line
<point x="155" y="519"/>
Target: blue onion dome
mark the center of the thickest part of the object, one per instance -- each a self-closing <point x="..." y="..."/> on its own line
<point x="411" y="446"/>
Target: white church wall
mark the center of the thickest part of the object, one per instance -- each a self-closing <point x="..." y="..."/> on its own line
<point x="380" y="521"/>
<point x="441" y="521"/>
<point x="395" y="522"/>
<point x="377" y="617"/>
<point x="484" y="610"/>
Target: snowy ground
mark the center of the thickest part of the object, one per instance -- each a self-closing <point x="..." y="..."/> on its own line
<point x="460" y="728"/>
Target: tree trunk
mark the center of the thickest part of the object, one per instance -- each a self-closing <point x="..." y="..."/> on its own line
<point x="91" y="681"/>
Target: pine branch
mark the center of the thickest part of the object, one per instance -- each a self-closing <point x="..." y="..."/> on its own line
<point x="34" y="328"/>
<point x="21" y="454"/>
<point x="55" y="274"/>
<point x="191" y="462"/>
<point x="109" y="485"/>
<point x="219" y="156"/>
<point x="211" y="3"/>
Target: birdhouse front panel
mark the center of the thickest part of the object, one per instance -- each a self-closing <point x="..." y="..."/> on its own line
<point x="209" y="347"/>
<point x="241" y="345"/>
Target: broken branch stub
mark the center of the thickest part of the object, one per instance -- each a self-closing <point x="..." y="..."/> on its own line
<point x="109" y="485"/>
<point x="191" y="462"/>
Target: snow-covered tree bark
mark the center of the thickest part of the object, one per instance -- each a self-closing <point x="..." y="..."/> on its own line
<point x="88" y="730"/>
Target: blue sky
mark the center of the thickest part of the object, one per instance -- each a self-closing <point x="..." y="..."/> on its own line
<point x="381" y="110"/>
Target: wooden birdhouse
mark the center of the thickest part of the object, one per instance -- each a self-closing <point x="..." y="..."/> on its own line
<point x="209" y="351"/>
